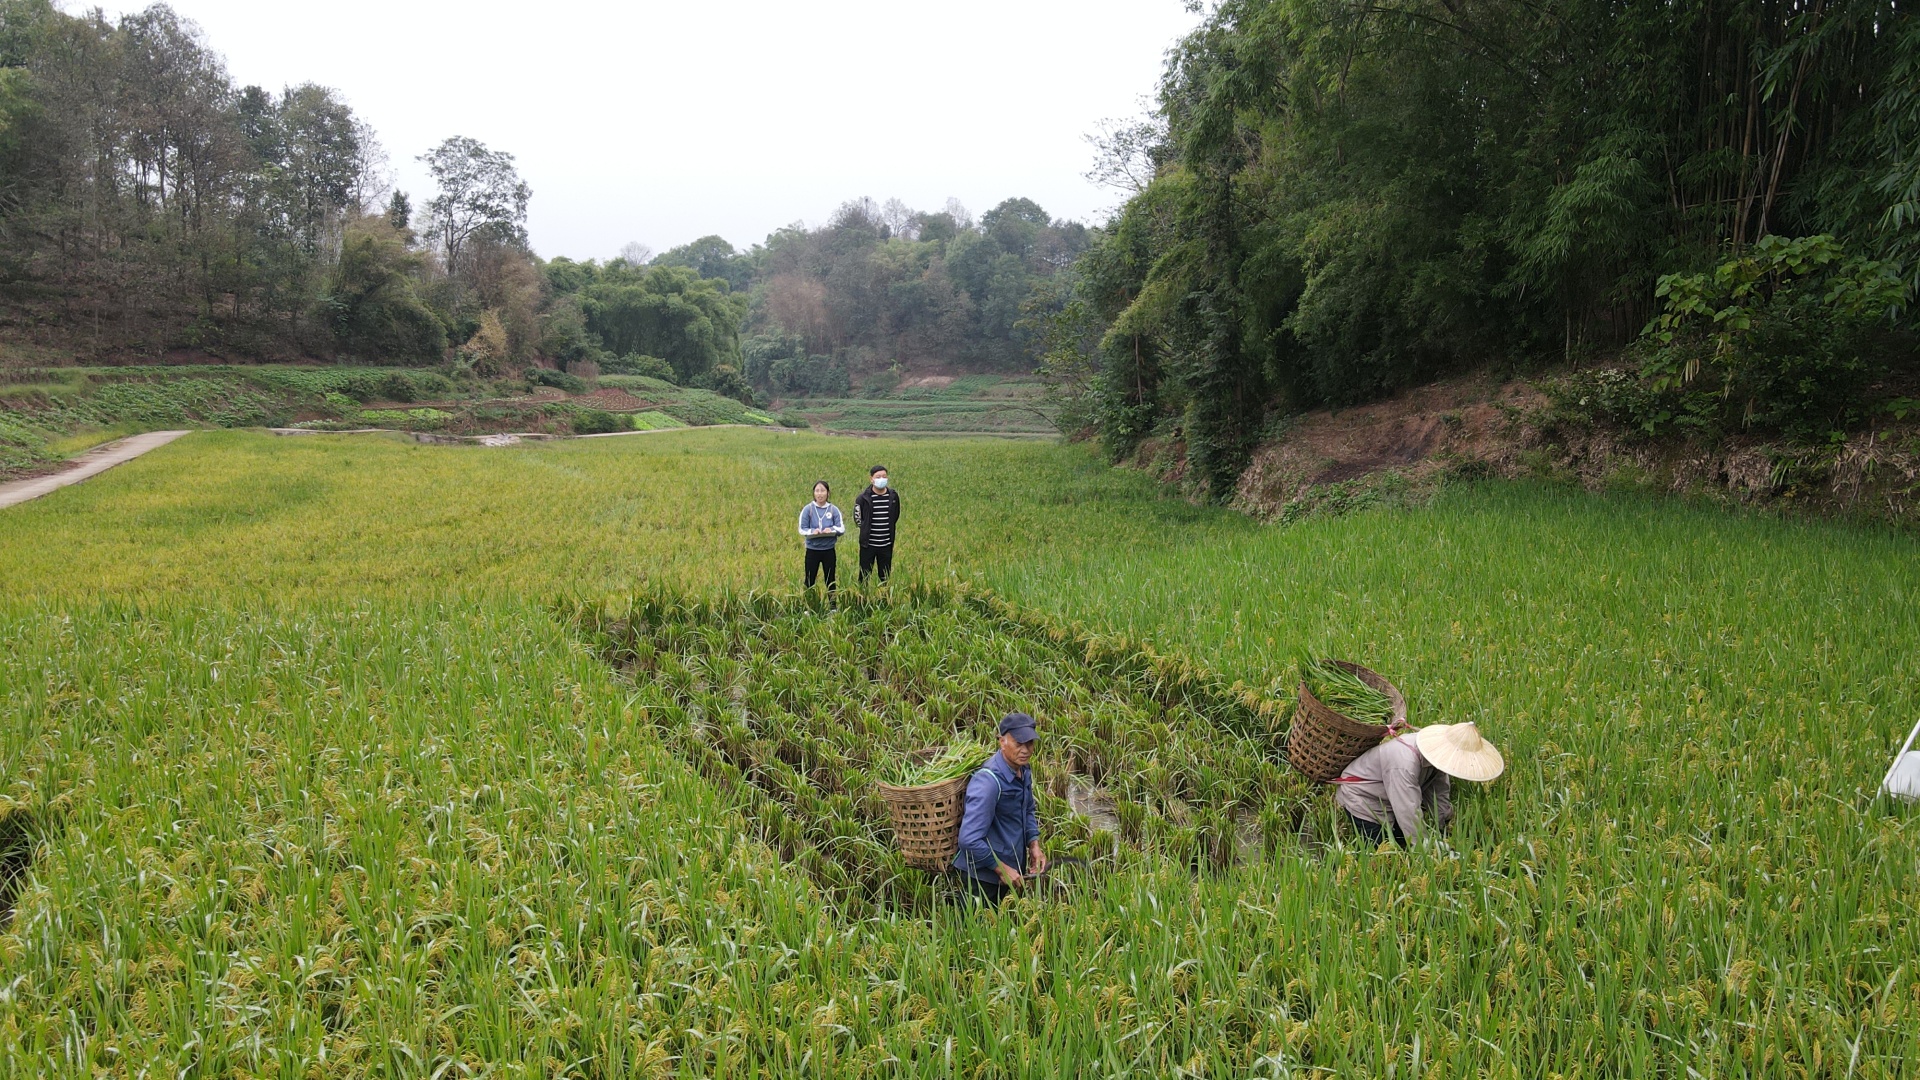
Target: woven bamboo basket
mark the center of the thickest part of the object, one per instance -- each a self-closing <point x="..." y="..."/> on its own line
<point x="1324" y="742"/>
<point x="926" y="821"/>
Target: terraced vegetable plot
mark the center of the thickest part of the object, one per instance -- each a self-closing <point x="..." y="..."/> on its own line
<point x="807" y="706"/>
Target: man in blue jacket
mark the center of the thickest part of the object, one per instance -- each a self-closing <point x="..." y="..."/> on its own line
<point x="1000" y="828"/>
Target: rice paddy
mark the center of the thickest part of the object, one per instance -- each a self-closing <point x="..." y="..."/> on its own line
<point x="804" y="706"/>
<point x="324" y="773"/>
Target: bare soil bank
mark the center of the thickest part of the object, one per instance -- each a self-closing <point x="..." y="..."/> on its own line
<point x="1479" y="426"/>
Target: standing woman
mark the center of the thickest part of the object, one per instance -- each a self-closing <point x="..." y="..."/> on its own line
<point x="822" y="525"/>
<point x="877" y="512"/>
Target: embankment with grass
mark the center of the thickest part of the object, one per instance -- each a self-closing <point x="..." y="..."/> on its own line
<point x="48" y="415"/>
<point x="323" y="775"/>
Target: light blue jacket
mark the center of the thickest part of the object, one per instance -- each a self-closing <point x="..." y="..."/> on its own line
<point x="821" y="517"/>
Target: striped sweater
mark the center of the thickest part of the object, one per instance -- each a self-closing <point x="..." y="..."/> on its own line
<point x="876" y="513"/>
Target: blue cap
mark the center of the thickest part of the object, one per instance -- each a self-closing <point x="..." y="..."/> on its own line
<point x="1020" y="726"/>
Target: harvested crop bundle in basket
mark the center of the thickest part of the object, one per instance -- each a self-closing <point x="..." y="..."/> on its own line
<point x="956" y="761"/>
<point x="1343" y="691"/>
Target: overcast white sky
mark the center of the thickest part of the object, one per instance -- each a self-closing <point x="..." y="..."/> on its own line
<point x="662" y="122"/>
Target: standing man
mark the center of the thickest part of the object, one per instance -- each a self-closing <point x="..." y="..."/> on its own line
<point x="876" y="511"/>
<point x="1000" y="827"/>
<point x="1387" y="789"/>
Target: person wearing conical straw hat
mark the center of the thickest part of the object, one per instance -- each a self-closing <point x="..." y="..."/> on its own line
<point x="1388" y="789"/>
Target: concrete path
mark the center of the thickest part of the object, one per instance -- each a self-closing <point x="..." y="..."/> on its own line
<point x="92" y="463"/>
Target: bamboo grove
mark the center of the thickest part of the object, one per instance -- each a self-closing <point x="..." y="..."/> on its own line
<point x="1340" y="199"/>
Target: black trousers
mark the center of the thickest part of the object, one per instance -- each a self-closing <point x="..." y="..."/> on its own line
<point x="880" y="558"/>
<point x="818" y="561"/>
<point x="986" y="892"/>
<point x="1375" y="833"/>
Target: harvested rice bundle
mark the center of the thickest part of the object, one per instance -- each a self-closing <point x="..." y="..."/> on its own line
<point x="952" y="763"/>
<point x="1343" y="691"/>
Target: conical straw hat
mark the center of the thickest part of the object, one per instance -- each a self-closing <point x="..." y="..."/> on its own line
<point x="1458" y="750"/>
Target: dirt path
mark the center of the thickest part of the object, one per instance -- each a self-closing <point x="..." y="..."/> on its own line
<point x="92" y="463"/>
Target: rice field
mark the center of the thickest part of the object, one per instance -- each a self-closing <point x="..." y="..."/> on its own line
<point x="323" y="773"/>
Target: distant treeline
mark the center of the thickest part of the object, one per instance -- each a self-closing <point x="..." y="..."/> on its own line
<point x="148" y="205"/>
<point x="1333" y="201"/>
<point x="874" y="287"/>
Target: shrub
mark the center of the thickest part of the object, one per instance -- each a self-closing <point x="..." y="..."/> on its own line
<point x="559" y="380"/>
<point x="596" y="422"/>
<point x="635" y="364"/>
<point x="824" y="376"/>
<point x="397" y="387"/>
<point x="1783" y="337"/>
<point x="726" y="381"/>
<point x="488" y="352"/>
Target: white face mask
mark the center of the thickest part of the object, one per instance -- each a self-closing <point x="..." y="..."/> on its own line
<point x="880" y="483"/>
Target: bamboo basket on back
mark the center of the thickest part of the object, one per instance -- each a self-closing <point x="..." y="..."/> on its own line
<point x="1324" y="742"/>
<point x="926" y="821"/>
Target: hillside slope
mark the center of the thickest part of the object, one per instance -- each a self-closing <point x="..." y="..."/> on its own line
<point x="1478" y="425"/>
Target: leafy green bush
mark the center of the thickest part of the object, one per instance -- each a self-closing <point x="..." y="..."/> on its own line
<point x="726" y="381"/>
<point x="559" y="380"/>
<point x="596" y="422"/>
<point x="1783" y="338"/>
<point x="1614" y="397"/>
<point x="635" y="364"/>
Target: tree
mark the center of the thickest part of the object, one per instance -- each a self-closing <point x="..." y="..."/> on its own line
<point x="370" y="303"/>
<point x="711" y="257"/>
<point x="669" y="312"/>
<point x="400" y="213"/>
<point x="1127" y="155"/>
<point x="479" y="189"/>
<point x="319" y="161"/>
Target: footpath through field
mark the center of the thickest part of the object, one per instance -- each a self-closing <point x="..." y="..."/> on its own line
<point x="92" y="463"/>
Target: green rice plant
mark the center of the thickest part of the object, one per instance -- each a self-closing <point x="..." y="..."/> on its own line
<point x="314" y="787"/>
<point x="880" y="676"/>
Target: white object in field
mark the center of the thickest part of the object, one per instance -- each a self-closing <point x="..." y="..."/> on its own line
<point x="1903" y="780"/>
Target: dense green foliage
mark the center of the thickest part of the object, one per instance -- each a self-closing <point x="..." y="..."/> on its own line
<point x="876" y="288"/>
<point x="669" y="312"/>
<point x="303" y="775"/>
<point x="1344" y="201"/>
<point x="147" y="205"/>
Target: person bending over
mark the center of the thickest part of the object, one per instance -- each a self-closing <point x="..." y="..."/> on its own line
<point x="1387" y="789"/>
